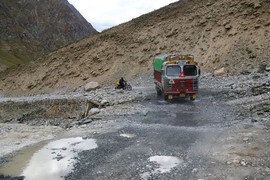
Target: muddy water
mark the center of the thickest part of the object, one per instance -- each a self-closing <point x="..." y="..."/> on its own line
<point x="19" y="162"/>
<point x="53" y="161"/>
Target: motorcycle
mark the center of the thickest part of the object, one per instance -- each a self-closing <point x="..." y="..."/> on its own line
<point x="127" y="86"/>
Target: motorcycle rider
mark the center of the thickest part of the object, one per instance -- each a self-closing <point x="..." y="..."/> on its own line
<point x="122" y="83"/>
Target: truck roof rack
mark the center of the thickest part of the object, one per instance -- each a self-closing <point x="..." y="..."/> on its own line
<point x="188" y="58"/>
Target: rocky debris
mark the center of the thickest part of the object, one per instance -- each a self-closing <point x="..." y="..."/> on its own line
<point x="73" y="110"/>
<point x="81" y="122"/>
<point x="246" y="139"/>
<point x="195" y="170"/>
<point x="11" y="178"/>
<point x="87" y="121"/>
<point x="228" y="27"/>
<point x="91" y="86"/>
<point x="245" y="162"/>
<point x="252" y="84"/>
<point x="94" y="111"/>
<point x="47" y="109"/>
<point x="267" y="68"/>
<point x="250" y="92"/>
<point x="121" y="105"/>
<point x="58" y="157"/>
<point x="261" y="89"/>
<point x="254" y="120"/>
<point x="104" y="103"/>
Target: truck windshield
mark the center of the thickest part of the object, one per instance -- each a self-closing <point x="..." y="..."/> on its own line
<point x="173" y="70"/>
<point x="190" y="70"/>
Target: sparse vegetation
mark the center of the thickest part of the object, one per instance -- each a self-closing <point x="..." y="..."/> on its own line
<point x="217" y="60"/>
<point x="250" y="53"/>
<point x="108" y="35"/>
<point x="262" y="68"/>
<point x="8" y="59"/>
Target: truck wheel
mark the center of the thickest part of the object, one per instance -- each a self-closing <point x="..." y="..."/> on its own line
<point x="192" y="98"/>
<point x="165" y="96"/>
<point x="159" y="92"/>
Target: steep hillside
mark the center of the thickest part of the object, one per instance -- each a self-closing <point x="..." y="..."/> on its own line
<point x="233" y="34"/>
<point x="30" y="29"/>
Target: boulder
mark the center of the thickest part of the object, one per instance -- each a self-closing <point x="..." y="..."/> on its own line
<point x="87" y="121"/>
<point x="94" y="111"/>
<point x="91" y="86"/>
<point x="104" y="103"/>
<point x="220" y="72"/>
<point x="267" y="68"/>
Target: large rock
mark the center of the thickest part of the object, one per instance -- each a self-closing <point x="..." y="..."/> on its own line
<point x="220" y="72"/>
<point x="91" y="86"/>
<point x="94" y="111"/>
<point x="104" y="103"/>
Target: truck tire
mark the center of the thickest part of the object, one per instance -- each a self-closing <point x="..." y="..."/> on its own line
<point x="165" y="96"/>
<point x="192" y="98"/>
<point x="159" y="92"/>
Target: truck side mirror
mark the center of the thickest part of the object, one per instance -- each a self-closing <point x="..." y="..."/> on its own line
<point x="162" y="72"/>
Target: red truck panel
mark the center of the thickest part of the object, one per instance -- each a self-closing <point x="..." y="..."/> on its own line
<point x="187" y="86"/>
<point x="157" y="76"/>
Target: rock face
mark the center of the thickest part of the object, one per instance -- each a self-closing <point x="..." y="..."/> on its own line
<point x="31" y="28"/>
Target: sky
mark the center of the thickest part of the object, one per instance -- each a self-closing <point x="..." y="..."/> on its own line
<point x="103" y="14"/>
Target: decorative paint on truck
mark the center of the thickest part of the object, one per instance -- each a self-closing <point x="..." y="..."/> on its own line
<point x="176" y="76"/>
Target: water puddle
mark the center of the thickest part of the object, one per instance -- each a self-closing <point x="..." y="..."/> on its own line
<point x="55" y="160"/>
<point x="161" y="164"/>
<point x="165" y="163"/>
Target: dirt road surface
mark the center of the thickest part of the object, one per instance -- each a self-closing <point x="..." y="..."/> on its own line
<point x="224" y="134"/>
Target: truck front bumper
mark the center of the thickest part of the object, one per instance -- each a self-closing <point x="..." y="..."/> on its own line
<point x="172" y="95"/>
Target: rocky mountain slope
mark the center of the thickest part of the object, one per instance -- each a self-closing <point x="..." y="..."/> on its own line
<point x="29" y="29"/>
<point x="230" y="34"/>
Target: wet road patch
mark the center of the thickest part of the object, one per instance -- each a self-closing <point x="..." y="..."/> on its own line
<point x="187" y="114"/>
<point x="56" y="159"/>
<point x="128" y="135"/>
<point x="185" y="119"/>
<point x="161" y="164"/>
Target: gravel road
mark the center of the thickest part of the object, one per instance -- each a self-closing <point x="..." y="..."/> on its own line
<point x="136" y="135"/>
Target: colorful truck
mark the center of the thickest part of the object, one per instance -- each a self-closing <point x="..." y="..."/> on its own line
<point x="176" y="76"/>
